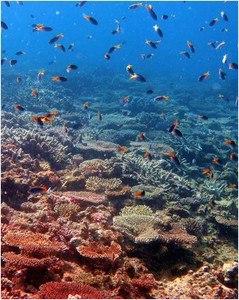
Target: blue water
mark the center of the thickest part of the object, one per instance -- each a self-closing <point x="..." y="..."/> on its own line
<point x="184" y="22"/>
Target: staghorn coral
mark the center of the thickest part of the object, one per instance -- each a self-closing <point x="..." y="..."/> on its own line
<point x="154" y="173"/>
<point x="67" y="210"/>
<point x="34" y="244"/>
<point x="143" y="229"/>
<point x="98" y="184"/>
<point x="193" y="226"/>
<point x="141" y="210"/>
<point x="37" y="144"/>
<point x="61" y="290"/>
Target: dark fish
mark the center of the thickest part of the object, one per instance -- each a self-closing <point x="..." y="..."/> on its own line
<point x="70" y="47"/>
<point x="233" y="66"/>
<point x="18" y="107"/>
<point x="233" y="156"/>
<point x="37" y="189"/>
<point x="19" y="2"/>
<point x="4" y="106"/>
<point x="129" y="69"/>
<point x="151" y="12"/>
<point x="18" y="79"/>
<point x="113" y="48"/>
<point x="222" y="75"/>
<point x="202" y="28"/>
<point x="152" y="44"/>
<point x="139" y="193"/>
<point x="158" y="30"/>
<point x="175" y="123"/>
<point x="177" y="132"/>
<point x="59" y="78"/>
<point x="159" y="98"/>
<point x="20" y="53"/>
<point x="55" y="38"/>
<point x="203" y="117"/>
<point x="174" y="159"/>
<point x="7" y="3"/>
<point x="185" y="53"/>
<point x="212" y="44"/>
<point x="52" y="62"/>
<point x="32" y="16"/>
<point x="203" y="76"/>
<point x="78" y="126"/>
<point x="41" y="27"/>
<point x="133" y="6"/>
<point x="4" y="25"/>
<point x="190" y="45"/>
<point x="214" y="21"/>
<point x="90" y="19"/>
<point x="137" y="77"/>
<point x="38" y="120"/>
<point x="3" y="60"/>
<point x="60" y="46"/>
<point x="81" y="3"/>
<point x="164" y="17"/>
<point x="106" y="56"/>
<point x="99" y="115"/>
<point x="12" y="62"/>
<point x="71" y="67"/>
<point x="224" y="16"/>
<point x="149" y="92"/>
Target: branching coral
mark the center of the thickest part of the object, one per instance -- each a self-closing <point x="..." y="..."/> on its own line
<point x="38" y="145"/>
<point x="141" y="210"/>
<point x="61" y="290"/>
<point x="193" y="226"/>
<point x="154" y="173"/>
<point x="67" y="210"/>
<point x="101" y="167"/>
<point x="98" y="184"/>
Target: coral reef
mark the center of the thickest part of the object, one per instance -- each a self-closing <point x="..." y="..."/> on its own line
<point x="61" y="290"/>
<point x="98" y="184"/>
<point x="145" y="229"/>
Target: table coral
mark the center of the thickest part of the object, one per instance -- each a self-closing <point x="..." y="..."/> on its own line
<point x="61" y="290"/>
<point x="143" y="229"/>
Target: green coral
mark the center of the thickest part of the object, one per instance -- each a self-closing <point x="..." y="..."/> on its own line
<point x="141" y="210"/>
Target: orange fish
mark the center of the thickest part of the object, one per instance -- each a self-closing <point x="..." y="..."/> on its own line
<point x="151" y="12"/>
<point x="172" y="127"/>
<point x="206" y="171"/>
<point x="71" y="67"/>
<point x="90" y="19"/>
<point x="41" y="27"/>
<point x="148" y="155"/>
<point x="217" y="160"/>
<point x="59" y="78"/>
<point x="18" y="107"/>
<point x="35" y="93"/>
<point x="203" y="117"/>
<point x="203" y="76"/>
<point x="174" y="159"/>
<point x="133" y="6"/>
<point x="231" y="143"/>
<point x="233" y="156"/>
<point x="232" y="185"/>
<point x="37" y="120"/>
<point x="190" y="45"/>
<point x="99" y="116"/>
<point x="212" y="203"/>
<point x="139" y="193"/>
<point x="141" y="136"/>
<point x="39" y="75"/>
<point x="51" y="113"/>
<point x="121" y="148"/>
<point x="86" y="105"/>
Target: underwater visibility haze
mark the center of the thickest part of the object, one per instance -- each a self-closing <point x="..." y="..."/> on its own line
<point x="119" y="149"/>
